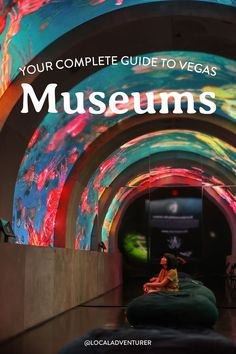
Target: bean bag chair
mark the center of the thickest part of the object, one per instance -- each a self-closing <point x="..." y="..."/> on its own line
<point x="183" y="275"/>
<point x="196" y="287"/>
<point x="154" y="340"/>
<point x="181" y="308"/>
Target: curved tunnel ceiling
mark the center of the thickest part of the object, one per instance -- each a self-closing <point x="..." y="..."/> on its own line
<point x="61" y="140"/>
<point x="145" y="147"/>
<point x="208" y="24"/>
<point x="26" y="29"/>
<point x="224" y="196"/>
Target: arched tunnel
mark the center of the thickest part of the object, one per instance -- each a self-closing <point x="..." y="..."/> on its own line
<point x="71" y="182"/>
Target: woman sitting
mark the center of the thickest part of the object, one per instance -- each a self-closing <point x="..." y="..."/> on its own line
<point x="167" y="279"/>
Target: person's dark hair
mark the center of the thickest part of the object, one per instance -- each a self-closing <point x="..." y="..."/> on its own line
<point x="171" y="261"/>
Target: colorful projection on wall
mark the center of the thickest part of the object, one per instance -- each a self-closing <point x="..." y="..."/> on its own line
<point x="145" y="147"/>
<point x="60" y="140"/>
<point x="146" y="181"/>
<point x="28" y="27"/>
<point x="135" y="247"/>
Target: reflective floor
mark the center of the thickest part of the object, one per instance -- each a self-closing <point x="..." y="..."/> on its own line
<point x="108" y="311"/>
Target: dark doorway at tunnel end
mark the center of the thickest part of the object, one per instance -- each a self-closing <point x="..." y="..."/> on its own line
<point x="179" y="220"/>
